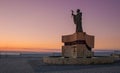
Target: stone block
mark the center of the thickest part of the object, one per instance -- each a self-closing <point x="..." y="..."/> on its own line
<point x="89" y="39"/>
<point x="73" y="37"/>
<point x="76" y="51"/>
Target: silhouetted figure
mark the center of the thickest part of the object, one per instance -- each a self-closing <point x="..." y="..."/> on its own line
<point x="78" y="20"/>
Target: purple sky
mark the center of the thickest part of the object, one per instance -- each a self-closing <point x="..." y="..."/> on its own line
<point x="41" y="23"/>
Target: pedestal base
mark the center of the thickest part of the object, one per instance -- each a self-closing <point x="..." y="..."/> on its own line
<point x="77" y="45"/>
<point x="94" y="60"/>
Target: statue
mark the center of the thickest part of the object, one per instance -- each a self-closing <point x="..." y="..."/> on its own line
<point x="78" y="20"/>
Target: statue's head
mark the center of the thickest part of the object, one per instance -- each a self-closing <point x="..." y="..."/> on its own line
<point x="78" y="10"/>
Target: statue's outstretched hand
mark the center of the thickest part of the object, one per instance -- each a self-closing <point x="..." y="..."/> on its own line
<point x="72" y="11"/>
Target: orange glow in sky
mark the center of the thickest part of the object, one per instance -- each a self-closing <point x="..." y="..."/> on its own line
<point x="37" y="25"/>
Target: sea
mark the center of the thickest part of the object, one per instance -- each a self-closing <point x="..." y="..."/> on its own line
<point x="44" y="54"/>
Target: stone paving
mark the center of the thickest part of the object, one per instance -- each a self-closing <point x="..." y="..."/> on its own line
<point x="13" y="65"/>
<point x="35" y="65"/>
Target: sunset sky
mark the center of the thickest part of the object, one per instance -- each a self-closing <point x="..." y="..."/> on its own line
<point x="37" y="25"/>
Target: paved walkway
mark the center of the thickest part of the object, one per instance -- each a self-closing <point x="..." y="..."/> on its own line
<point x="35" y="65"/>
<point x="12" y="65"/>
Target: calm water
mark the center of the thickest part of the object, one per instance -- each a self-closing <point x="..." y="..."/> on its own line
<point x="42" y="54"/>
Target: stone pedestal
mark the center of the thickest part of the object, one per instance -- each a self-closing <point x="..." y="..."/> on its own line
<point x="77" y="45"/>
<point x="77" y="49"/>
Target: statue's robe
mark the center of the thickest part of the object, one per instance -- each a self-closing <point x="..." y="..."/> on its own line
<point x="78" y="21"/>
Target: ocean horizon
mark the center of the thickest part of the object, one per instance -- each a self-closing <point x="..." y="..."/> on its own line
<point x="42" y="54"/>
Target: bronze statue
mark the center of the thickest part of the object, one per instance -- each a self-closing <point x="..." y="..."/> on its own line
<point x="78" y="20"/>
